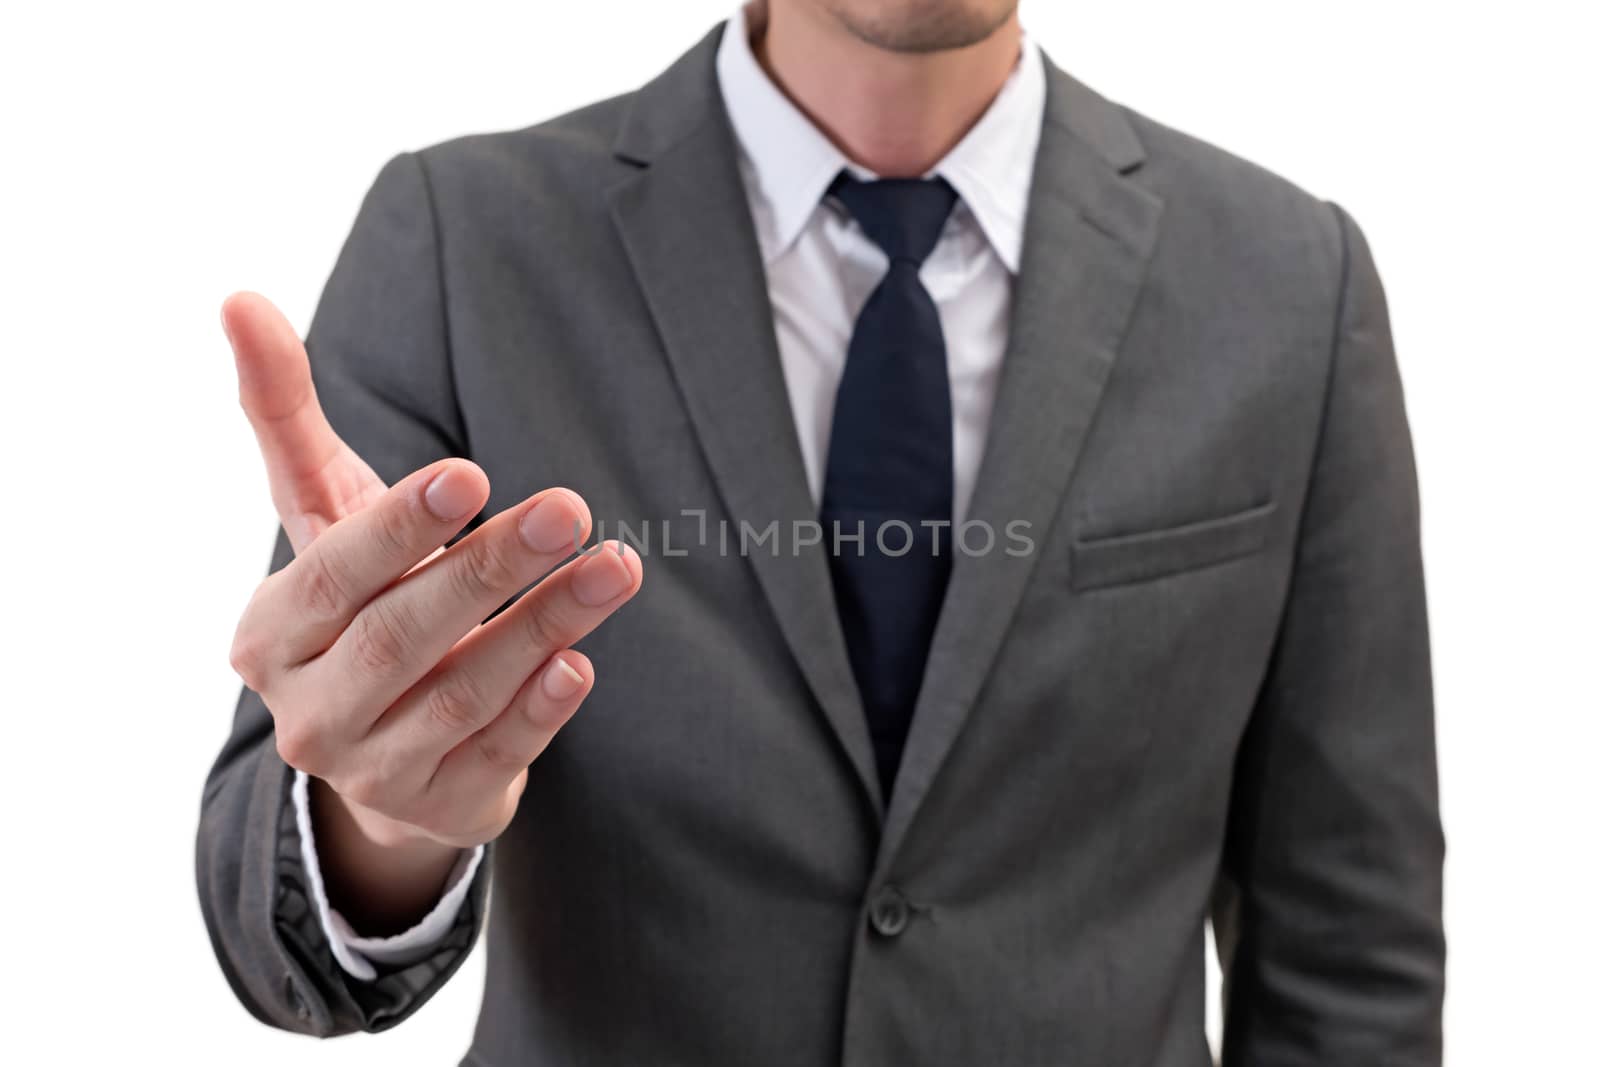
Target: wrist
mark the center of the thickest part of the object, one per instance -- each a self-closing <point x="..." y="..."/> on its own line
<point x="377" y="829"/>
<point x="382" y="875"/>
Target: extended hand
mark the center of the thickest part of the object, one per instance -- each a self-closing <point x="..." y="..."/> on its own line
<point x="370" y="648"/>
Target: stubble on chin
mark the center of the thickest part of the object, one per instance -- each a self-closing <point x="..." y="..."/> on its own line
<point x="920" y="26"/>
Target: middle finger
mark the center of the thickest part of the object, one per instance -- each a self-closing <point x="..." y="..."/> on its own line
<point x="481" y="675"/>
<point x="401" y="634"/>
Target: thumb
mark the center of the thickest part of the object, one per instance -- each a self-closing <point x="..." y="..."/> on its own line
<point x="298" y="445"/>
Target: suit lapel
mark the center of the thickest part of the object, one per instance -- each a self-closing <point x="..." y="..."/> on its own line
<point x="1089" y="234"/>
<point x="683" y="221"/>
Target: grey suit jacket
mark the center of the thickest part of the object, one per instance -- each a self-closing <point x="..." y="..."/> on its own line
<point x="1204" y="692"/>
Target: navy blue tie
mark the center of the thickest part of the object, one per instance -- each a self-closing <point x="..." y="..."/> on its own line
<point x="890" y="468"/>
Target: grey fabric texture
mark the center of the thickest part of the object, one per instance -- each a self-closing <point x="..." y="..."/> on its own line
<point x="1206" y="690"/>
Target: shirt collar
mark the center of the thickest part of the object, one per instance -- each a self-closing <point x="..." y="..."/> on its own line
<point x="790" y="163"/>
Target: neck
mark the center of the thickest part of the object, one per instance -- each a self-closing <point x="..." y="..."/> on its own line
<point x="895" y="113"/>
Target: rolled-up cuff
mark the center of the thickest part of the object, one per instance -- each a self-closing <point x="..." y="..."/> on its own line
<point x="357" y="954"/>
<point x="334" y="990"/>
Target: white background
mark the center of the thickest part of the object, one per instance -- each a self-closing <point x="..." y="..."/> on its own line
<point x="160" y="155"/>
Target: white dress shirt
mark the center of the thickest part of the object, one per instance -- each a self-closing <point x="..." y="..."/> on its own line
<point x="820" y="269"/>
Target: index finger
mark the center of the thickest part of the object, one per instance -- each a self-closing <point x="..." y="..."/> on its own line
<point x="310" y="602"/>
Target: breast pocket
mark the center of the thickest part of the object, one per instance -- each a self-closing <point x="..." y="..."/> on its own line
<point x="1146" y="554"/>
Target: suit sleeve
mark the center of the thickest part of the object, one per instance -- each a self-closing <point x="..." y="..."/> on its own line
<point x="1328" y="909"/>
<point x="380" y="359"/>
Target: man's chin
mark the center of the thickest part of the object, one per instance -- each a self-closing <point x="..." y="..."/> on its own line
<point x="922" y="26"/>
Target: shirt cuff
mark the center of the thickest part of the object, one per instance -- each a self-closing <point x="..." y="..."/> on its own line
<point x="360" y="956"/>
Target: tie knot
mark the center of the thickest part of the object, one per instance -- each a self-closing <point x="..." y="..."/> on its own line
<point x="902" y="216"/>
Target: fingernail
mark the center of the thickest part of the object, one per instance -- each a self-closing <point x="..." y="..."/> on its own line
<point x="561" y="679"/>
<point x="601" y="578"/>
<point x="551" y="525"/>
<point x="451" y="494"/>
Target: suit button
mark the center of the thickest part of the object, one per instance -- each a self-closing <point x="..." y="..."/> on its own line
<point x="889" y="912"/>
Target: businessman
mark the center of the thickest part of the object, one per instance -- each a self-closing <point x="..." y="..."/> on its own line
<point x="1031" y="529"/>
